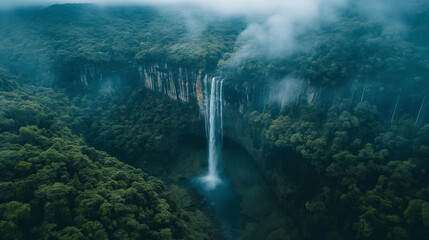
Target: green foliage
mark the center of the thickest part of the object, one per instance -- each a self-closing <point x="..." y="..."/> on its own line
<point x="7" y="82"/>
<point x="141" y="128"/>
<point x="370" y="180"/>
<point x="353" y="48"/>
<point x="36" y="43"/>
<point x="53" y="186"/>
<point x="338" y="172"/>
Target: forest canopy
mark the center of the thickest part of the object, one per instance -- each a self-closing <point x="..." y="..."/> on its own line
<point x="54" y="186"/>
<point x="338" y="125"/>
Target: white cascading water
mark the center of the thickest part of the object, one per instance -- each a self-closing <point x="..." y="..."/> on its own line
<point x="214" y="130"/>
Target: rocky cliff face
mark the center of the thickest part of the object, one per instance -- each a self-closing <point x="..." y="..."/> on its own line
<point x="178" y="83"/>
<point x="186" y="84"/>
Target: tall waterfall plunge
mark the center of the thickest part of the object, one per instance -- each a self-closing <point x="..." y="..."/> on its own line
<point x="214" y="130"/>
<point x="214" y="185"/>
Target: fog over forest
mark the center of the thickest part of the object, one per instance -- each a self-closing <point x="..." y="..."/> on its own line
<point x="195" y="119"/>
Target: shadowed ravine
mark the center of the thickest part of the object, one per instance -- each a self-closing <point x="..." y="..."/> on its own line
<point x="232" y="185"/>
<point x="241" y="199"/>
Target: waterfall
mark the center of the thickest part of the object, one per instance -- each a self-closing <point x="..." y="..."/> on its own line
<point x="363" y="91"/>
<point x="214" y="130"/>
<point x="394" y="110"/>
<point x="420" y="111"/>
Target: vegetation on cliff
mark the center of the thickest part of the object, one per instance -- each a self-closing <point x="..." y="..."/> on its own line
<point x="354" y="178"/>
<point x="347" y="156"/>
<point x="138" y="127"/>
<point x="346" y="159"/>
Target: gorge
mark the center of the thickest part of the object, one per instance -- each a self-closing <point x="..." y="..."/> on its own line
<point x="185" y="122"/>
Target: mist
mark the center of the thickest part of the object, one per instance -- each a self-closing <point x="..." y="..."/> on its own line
<point x="275" y="29"/>
<point x="286" y="91"/>
<point x="229" y="119"/>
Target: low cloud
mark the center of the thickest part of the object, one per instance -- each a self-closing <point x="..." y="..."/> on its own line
<point x="275" y="28"/>
<point x="277" y="33"/>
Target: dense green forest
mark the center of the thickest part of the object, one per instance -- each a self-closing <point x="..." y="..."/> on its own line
<point x="139" y="126"/>
<point x="367" y="181"/>
<point x="54" y="186"/>
<point x="39" y="43"/>
<point x="344" y="157"/>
